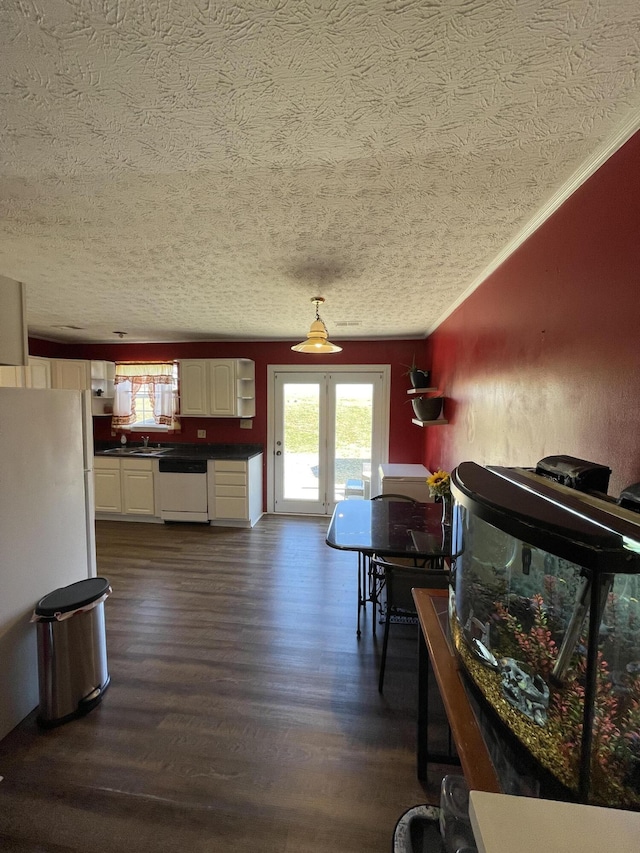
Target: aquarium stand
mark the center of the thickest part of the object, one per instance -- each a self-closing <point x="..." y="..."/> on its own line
<point x="434" y="650"/>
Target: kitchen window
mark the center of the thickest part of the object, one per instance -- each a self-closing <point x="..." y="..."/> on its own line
<point x="146" y="397"/>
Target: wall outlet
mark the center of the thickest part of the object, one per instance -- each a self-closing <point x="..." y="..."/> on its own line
<point x="202" y="433"/>
<point x="246" y="423"/>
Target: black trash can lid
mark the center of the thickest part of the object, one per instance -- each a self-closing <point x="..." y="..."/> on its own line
<point x="72" y="597"/>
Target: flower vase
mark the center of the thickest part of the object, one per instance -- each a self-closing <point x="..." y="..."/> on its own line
<point x="447" y="510"/>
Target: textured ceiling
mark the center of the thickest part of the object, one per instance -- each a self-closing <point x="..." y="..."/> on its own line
<point x="185" y="170"/>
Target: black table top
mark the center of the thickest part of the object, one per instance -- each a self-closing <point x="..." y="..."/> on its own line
<point x="389" y="528"/>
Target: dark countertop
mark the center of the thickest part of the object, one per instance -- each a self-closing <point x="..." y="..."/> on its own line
<point x="183" y="451"/>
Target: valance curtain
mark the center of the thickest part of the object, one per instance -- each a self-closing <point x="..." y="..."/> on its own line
<point x="157" y="380"/>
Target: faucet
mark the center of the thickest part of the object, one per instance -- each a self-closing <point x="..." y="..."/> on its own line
<point x="145" y="439"/>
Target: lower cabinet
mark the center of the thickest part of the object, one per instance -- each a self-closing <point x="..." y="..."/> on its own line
<point x="124" y="486"/>
<point x="235" y="491"/>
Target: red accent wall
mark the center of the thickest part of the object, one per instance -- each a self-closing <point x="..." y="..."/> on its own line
<point x="405" y="440"/>
<point x="544" y="357"/>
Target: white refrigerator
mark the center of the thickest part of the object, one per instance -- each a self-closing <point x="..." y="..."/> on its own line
<point x="47" y="528"/>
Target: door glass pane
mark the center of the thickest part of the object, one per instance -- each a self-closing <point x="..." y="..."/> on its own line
<point x="353" y="440"/>
<point x="301" y="441"/>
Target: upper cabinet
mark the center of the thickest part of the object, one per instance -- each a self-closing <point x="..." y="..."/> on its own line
<point x="12" y="377"/>
<point x="14" y="344"/>
<point x="71" y="373"/>
<point x="102" y="387"/>
<point x="217" y="388"/>
<point x="39" y="372"/>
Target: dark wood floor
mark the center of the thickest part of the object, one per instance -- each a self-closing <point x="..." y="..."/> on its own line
<point x="243" y="713"/>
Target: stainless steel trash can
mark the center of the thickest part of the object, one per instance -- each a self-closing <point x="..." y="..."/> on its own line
<point x="72" y="653"/>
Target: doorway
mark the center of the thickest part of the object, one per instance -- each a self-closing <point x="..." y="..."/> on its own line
<point x="328" y="433"/>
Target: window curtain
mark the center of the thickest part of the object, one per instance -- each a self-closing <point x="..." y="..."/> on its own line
<point x="158" y="381"/>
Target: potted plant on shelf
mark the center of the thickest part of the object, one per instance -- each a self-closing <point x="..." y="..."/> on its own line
<point x="427" y="408"/>
<point x="418" y="378"/>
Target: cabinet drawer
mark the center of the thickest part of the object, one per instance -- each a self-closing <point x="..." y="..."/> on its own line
<point x="229" y="507"/>
<point x="229" y="465"/>
<point x="231" y="491"/>
<point x="106" y="462"/>
<point x="228" y="478"/>
<point x="138" y="464"/>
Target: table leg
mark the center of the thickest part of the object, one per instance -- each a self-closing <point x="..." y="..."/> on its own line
<point x="360" y="561"/>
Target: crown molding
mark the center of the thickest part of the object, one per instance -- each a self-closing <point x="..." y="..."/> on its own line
<point x="626" y="130"/>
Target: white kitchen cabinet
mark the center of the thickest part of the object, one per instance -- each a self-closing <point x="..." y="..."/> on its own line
<point x="47" y="373"/>
<point x="107" y="484"/>
<point x="194" y="387"/>
<point x="245" y="377"/>
<point x="222" y="388"/>
<point x="12" y="377"/>
<point x="73" y="374"/>
<point x="137" y="487"/>
<point x="235" y="491"/>
<point x="39" y="372"/>
<point x="217" y="388"/>
<point x="102" y="387"/>
<point x="14" y="343"/>
<point x="124" y="486"/>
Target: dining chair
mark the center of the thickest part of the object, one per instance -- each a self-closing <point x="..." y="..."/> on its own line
<point x="399" y="580"/>
<point x="373" y="581"/>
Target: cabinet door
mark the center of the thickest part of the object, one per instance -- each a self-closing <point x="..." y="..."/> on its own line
<point x="39" y="372"/>
<point x="194" y="386"/>
<point x="11" y="377"/>
<point x="137" y="492"/>
<point x="222" y="388"/>
<point x="14" y="345"/>
<point x="108" y="492"/>
<point x="71" y="373"/>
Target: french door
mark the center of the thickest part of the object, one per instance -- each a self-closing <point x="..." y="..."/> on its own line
<point x="329" y="433"/>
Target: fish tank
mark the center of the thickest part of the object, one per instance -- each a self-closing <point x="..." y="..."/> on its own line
<point x="544" y="616"/>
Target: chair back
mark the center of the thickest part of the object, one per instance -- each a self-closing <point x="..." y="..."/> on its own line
<point x="400" y="579"/>
<point x="390" y="497"/>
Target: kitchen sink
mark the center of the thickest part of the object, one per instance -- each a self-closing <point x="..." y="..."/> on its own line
<point x="137" y="451"/>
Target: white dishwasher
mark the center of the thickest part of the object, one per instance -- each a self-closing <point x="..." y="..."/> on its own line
<point x="182" y="487"/>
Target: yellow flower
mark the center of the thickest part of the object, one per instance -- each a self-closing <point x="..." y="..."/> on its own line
<point x="439" y="483"/>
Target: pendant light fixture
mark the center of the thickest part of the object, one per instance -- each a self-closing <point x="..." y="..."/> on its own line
<point x="317" y="337"/>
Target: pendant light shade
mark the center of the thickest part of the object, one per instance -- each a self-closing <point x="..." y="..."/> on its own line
<point x="317" y="338"/>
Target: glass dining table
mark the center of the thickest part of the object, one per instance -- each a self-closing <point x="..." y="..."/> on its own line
<point x="388" y="529"/>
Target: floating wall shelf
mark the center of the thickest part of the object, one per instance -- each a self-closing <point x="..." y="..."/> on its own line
<point x="417" y="391"/>
<point x="439" y="422"/>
